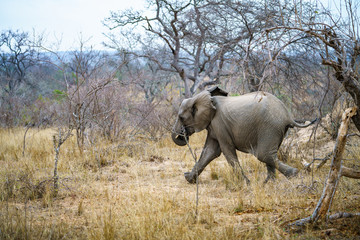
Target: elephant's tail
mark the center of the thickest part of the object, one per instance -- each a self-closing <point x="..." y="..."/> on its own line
<point x="302" y="125"/>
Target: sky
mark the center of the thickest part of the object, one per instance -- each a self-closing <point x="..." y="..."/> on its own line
<point x="68" y="21"/>
<point x="64" y="21"/>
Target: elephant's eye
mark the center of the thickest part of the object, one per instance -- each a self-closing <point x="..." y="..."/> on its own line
<point x="181" y="119"/>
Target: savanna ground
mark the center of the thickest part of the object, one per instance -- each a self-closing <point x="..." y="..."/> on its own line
<point x="135" y="189"/>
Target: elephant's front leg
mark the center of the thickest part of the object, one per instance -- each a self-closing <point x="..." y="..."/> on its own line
<point x="210" y="152"/>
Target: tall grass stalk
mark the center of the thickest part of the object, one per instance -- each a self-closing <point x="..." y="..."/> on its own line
<point x="197" y="179"/>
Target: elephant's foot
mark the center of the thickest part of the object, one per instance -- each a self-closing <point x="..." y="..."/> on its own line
<point x="291" y="172"/>
<point x="239" y="172"/>
<point x="190" y="177"/>
<point x="269" y="177"/>
<point x="294" y="172"/>
<point x="287" y="170"/>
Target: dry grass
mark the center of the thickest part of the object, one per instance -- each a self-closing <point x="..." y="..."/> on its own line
<point x="136" y="190"/>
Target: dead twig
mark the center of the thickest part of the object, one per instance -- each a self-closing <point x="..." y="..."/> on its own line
<point x="323" y="160"/>
<point x="307" y="165"/>
<point x="197" y="175"/>
<point x="353" y="135"/>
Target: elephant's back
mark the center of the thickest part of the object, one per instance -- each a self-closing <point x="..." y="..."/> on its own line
<point x="252" y="117"/>
<point x="256" y="105"/>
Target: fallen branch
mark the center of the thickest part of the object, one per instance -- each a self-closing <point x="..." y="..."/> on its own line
<point x="336" y="171"/>
<point x="349" y="172"/>
<point x="343" y="215"/>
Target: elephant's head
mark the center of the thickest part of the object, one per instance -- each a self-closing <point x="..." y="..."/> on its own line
<point x="195" y="114"/>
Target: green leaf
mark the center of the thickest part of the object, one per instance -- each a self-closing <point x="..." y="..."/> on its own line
<point x="59" y="95"/>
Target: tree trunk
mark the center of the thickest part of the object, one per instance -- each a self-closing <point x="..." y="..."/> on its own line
<point x="352" y="87"/>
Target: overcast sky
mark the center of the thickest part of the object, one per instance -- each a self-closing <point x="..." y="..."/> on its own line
<point x="68" y="20"/>
<point x="62" y="19"/>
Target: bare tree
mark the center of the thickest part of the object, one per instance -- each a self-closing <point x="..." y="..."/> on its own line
<point x="335" y="37"/>
<point x="192" y="37"/>
<point x="205" y="42"/>
<point x="147" y="77"/>
<point x="87" y="79"/>
<point x="17" y="56"/>
<point x="86" y="73"/>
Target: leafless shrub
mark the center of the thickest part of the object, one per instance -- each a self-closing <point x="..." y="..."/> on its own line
<point x="145" y="120"/>
<point x="22" y="185"/>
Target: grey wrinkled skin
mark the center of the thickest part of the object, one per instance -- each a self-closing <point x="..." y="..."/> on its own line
<point x="253" y="123"/>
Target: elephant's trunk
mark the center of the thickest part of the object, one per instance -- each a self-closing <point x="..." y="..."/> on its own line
<point x="178" y="139"/>
<point x="178" y="134"/>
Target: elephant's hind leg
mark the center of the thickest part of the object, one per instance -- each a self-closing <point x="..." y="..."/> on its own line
<point x="231" y="157"/>
<point x="272" y="163"/>
<point x="271" y="173"/>
<point x="285" y="169"/>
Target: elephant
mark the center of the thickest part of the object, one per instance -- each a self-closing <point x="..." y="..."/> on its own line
<point x="253" y="123"/>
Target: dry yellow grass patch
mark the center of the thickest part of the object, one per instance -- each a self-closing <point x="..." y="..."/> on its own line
<point x="136" y="190"/>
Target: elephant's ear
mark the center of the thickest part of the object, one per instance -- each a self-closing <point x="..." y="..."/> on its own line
<point x="203" y="110"/>
<point x="216" y="91"/>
